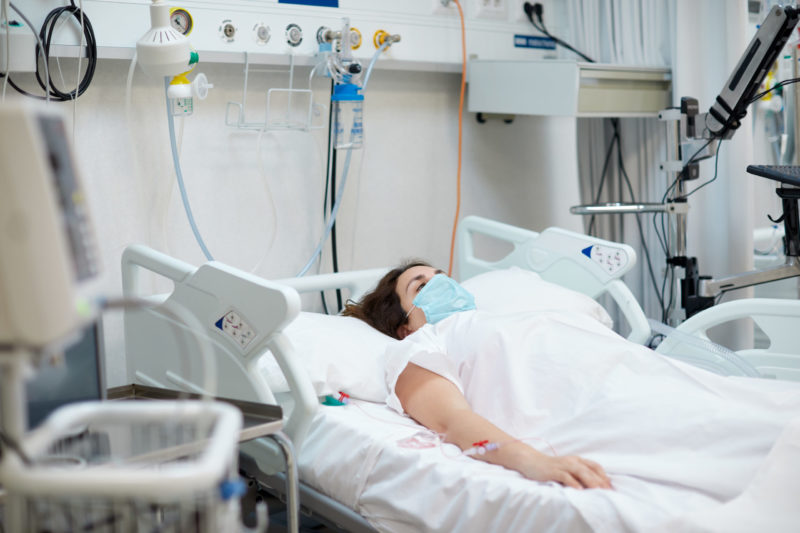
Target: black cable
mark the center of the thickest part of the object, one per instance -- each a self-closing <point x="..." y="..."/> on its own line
<point x="716" y="168"/>
<point x="685" y="167"/>
<point x="600" y="186"/>
<point x="334" y="247"/>
<point x="646" y="249"/>
<point x="664" y="246"/>
<point x="536" y="9"/>
<point x="671" y="274"/>
<point x="776" y="86"/>
<point x="46" y="36"/>
<point x="663" y="237"/>
<point x="331" y="156"/>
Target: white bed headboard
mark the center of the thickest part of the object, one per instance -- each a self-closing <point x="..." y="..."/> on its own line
<point x="585" y="264"/>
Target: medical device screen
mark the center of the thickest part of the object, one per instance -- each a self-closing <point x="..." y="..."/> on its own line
<point x="70" y="196"/>
<point x="737" y="94"/>
<point x="78" y="378"/>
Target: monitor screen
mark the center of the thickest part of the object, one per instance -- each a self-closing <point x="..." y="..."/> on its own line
<point x="79" y="378"/>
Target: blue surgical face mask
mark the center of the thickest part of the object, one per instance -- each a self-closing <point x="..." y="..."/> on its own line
<point x="441" y="297"/>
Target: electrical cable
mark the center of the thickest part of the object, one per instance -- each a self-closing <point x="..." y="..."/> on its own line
<point x="776" y="86"/>
<point x="4" y="19"/>
<point x="336" y="201"/>
<point x="46" y="36"/>
<point x="328" y="172"/>
<point x="639" y="225"/>
<point x="460" y="134"/>
<point x="536" y="9"/>
<point x="614" y="138"/>
<point x="334" y="246"/>
<point x="39" y="51"/>
<point x="78" y="74"/>
<point x="716" y="168"/>
<point x="662" y="234"/>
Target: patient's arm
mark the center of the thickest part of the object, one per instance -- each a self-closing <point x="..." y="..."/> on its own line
<point x="436" y="403"/>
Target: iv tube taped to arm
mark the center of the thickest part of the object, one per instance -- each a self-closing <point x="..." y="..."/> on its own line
<point x="179" y="175"/>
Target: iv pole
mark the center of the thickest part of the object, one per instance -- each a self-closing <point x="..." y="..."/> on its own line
<point x="720" y="122"/>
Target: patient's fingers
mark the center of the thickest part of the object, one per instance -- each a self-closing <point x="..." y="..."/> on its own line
<point x="568" y="480"/>
<point x="599" y="471"/>
<point x="585" y="474"/>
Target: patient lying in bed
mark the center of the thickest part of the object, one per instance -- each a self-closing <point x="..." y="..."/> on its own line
<point x="501" y="382"/>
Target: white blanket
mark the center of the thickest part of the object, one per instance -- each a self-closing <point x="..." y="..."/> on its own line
<point x="674" y="439"/>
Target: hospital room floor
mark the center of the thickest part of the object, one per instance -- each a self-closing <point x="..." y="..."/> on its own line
<point x="278" y="519"/>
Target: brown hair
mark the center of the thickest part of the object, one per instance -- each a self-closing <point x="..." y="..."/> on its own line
<point x="381" y="308"/>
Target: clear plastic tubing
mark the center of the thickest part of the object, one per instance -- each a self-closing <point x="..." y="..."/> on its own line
<point x="340" y="190"/>
<point x="176" y="161"/>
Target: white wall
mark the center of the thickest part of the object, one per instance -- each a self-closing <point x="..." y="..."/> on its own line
<point x="399" y="203"/>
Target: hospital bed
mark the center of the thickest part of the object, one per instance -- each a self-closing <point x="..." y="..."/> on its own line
<point x="352" y="470"/>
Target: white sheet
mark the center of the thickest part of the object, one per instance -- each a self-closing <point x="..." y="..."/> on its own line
<point x="352" y="455"/>
<point x="674" y="439"/>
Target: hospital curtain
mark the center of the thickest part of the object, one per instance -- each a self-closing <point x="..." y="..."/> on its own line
<point x="627" y="32"/>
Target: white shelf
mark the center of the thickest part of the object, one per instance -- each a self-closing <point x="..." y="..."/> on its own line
<point x="567" y="88"/>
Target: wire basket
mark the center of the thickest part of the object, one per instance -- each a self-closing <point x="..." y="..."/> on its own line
<point x="127" y="466"/>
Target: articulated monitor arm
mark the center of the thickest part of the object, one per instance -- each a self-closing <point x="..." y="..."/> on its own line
<point x="720" y="122"/>
<point x="730" y="106"/>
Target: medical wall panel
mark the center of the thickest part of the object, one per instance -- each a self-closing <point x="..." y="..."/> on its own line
<point x="224" y="31"/>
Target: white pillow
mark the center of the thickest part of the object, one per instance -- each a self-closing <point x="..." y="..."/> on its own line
<point x="519" y="290"/>
<point x="339" y="354"/>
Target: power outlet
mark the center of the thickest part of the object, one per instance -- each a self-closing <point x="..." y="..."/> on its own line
<point x="438" y="8"/>
<point x="491" y="9"/>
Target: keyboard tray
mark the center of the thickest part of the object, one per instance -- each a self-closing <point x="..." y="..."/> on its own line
<point x="787" y="174"/>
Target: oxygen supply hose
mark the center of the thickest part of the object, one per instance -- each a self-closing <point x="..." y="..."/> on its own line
<point x="177" y="163"/>
<point x="345" y="171"/>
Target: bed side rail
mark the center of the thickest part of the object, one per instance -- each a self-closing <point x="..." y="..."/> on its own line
<point x="357" y="282"/>
<point x="243" y="316"/>
<point x="585" y="264"/>
<point x="778" y="319"/>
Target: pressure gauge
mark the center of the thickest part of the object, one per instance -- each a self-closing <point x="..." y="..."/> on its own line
<point x="181" y="20"/>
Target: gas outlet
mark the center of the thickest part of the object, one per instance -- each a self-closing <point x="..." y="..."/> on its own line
<point x="227" y="30"/>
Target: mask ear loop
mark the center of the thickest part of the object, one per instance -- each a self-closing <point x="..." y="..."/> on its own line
<point x="409" y="311"/>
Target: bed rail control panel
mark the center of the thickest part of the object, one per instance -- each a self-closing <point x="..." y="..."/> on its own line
<point x="612" y="259"/>
<point x="236" y="328"/>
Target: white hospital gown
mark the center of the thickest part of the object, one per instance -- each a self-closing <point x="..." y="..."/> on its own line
<point x="669" y="434"/>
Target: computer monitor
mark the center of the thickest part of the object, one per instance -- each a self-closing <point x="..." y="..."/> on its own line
<point x="80" y="377"/>
<point x="730" y="106"/>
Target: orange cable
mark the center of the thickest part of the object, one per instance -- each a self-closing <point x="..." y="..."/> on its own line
<point x="460" y="133"/>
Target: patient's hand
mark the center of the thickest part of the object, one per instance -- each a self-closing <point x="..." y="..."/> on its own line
<point x="571" y="471"/>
